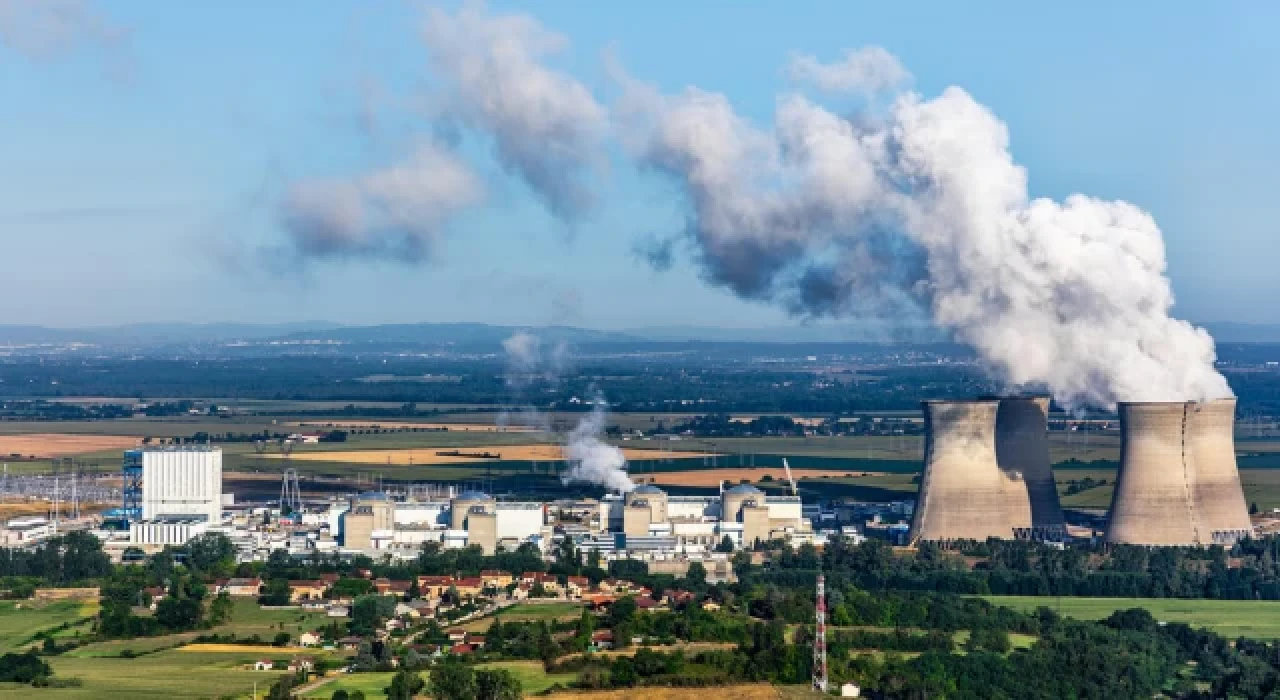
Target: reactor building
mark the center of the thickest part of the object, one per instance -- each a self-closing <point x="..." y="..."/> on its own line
<point x="1178" y="482"/>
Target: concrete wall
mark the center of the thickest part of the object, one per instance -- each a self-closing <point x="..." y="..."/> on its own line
<point x="962" y="492"/>
<point x="635" y="520"/>
<point x="755" y="524"/>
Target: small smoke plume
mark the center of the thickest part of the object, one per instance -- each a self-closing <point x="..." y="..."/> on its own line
<point x="397" y="213"/>
<point x="593" y="460"/>
<point x="530" y="359"/>
<point x="917" y="208"/>
<point x="546" y="126"/>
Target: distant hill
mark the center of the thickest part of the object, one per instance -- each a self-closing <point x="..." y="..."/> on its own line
<point x="1227" y="332"/>
<point x="467" y="334"/>
<point x="156" y="333"/>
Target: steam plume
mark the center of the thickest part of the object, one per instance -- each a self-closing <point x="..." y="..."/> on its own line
<point x="918" y="207"/>
<point x="593" y="460"/>
<point x="399" y="212"/>
<point x="546" y="127"/>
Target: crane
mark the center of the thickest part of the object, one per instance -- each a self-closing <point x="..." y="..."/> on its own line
<point x="792" y="481"/>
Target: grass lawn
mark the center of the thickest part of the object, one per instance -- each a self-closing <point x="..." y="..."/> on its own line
<point x="533" y="678"/>
<point x="19" y="621"/>
<point x="371" y="684"/>
<point x="1256" y="619"/>
<point x="164" y="674"/>
<point x="526" y="612"/>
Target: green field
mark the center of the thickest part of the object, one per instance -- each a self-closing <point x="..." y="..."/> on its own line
<point x="20" y="621"/>
<point x="164" y="674"/>
<point x="1230" y="618"/>
<point x="533" y="679"/>
<point x="528" y="611"/>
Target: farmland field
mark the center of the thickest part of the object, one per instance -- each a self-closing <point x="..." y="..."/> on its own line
<point x="1230" y="618"/>
<point x="46" y="445"/>
<point x="164" y="674"/>
<point x="431" y="456"/>
<point x="20" y="621"/>
<point x="526" y="612"/>
<point x="713" y="477"/>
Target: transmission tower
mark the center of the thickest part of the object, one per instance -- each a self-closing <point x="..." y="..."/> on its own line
<point x="820" y="638"/>
<point x="290" y="495"/>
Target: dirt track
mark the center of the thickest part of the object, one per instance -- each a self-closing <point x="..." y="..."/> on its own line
<point x="47" y="445"/>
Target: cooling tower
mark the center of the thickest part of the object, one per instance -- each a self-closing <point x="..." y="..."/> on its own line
<point x="1215" y="485"/>
<point x="1022" y="453"/>
<point x="1152" y="503"/>
<point x="962" y="492"/>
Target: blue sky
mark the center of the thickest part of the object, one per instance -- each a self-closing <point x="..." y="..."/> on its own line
<point x="141" y="176"/>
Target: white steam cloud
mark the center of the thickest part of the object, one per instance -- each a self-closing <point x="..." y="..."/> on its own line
<point x="545" y="126"/>
<point x="867" y="70"/>
<point x="399" y="212"/>
<point x="919" y="206"/>
<point x="593" y="460"/>
<point x="530" y="358"/>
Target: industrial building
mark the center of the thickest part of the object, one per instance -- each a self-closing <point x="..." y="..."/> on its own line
<point x="179" y="484"/>
<point x="743" y="513"/>
<point x="1178" y="482"/>
<point x="374" y="522"/>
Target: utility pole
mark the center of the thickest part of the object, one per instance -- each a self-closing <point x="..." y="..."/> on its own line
<point x="820" y="638"/>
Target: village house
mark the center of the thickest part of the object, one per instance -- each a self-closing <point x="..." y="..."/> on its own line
<point x="307" y="590"/>
<point x="302" y="665"/>
<point x="243" y="586"/>
<point x="577" y="585"/>
<point x="496" y="579"/>
<point x="309" y="639"/>
<point x="469" y="587"/>
<point x="434" y="586"/>
<point x="601" y="640"/>
<point x="263" y="665"/>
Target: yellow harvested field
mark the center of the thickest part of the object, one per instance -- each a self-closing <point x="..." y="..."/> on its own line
<point x="419" y="456"/>
<point x="713" y="477"/>
<point x="393" y="425"/>
<point x="264" y="651"/>
<point x="45" y="445"/>
<point x="755" y="691"/>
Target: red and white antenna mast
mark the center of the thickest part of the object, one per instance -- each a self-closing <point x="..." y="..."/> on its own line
<point x="820" y="638"/>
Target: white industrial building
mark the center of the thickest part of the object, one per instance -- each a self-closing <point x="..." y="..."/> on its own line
<point x="182" y="482"/>
<point x="166" y="532"/>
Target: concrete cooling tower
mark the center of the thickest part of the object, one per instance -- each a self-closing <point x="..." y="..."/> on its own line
<point x="1022" y="454"/>
<point x="1178" y="482"/>
<point x="1215" y="487"/>
<point x="962" y="492"/>
<point x="1152" y="503"/>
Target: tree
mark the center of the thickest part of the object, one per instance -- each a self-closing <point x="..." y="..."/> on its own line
<point x="696" y="576"/>
<point x="498" y="684"/>
<point x="414" y="591"/>
<point x="211" y="553"/>
<point x="340" y="694"/>
<point x="726" y="545"/>
<point x="23" y="668"/>
<point x="276" y="592"/>
<point x="404" y="685"/>
<point x="453" y="681"/>
<point x="220" y="608"/>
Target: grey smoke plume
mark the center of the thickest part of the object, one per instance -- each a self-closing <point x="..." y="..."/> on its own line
<point x="593" y="460"/>
<point x="546" y="127"/>
<point x="918" y="206"/>
<point x="398" y="213"/>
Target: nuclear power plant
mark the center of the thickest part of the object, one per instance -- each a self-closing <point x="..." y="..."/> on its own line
<point x="1178" y="482"/>
<point x="987" y="474"/>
